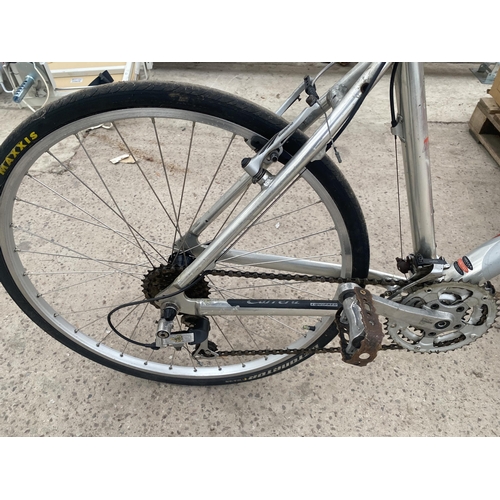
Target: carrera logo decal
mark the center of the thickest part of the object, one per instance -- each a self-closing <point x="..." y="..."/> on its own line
<point x="15" y="152"/>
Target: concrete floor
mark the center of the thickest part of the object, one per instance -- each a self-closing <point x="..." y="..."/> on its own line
<point x="47" y="390"/>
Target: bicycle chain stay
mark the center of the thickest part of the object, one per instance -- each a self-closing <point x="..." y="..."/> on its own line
<point x="314" y="279"/>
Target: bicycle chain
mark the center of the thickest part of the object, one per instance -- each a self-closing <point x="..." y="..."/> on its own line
<point x="302" y="278"/>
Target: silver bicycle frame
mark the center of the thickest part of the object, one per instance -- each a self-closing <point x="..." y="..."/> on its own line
<point x="342" y="99"/>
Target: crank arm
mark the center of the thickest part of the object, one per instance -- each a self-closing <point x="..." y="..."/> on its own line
<point x="417" y="317"/>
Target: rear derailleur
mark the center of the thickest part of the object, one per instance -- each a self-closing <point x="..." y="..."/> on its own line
<point x="198" y="328"/>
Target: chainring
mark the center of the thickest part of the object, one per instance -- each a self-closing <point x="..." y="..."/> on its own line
<point x="473" y="307"/>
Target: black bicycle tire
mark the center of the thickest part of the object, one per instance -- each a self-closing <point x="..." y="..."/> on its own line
<point x="187" y="97"/>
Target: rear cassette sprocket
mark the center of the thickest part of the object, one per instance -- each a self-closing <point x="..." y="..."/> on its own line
<point x="162" y="276"/>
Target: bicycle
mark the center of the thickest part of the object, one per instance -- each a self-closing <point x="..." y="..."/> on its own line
<point x="110" y="246"/>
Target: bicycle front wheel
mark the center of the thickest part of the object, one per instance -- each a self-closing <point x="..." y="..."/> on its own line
<point x="99" y="188"/>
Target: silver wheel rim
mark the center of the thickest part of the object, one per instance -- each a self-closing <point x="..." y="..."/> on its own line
<point x="83" y="335"/>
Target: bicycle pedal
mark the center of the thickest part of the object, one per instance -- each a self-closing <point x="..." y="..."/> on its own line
<point x="361" y="324"/>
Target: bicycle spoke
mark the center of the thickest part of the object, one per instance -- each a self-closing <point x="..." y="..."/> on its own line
<point x="172" y="359"/>
<point x="298" y="289"/>
<point x="132" y="231"/>
<point x="176" y="215"/>
<point x="231" y="212"/>
<point x="78" y="254"/>
<point x="190" y="358"/>
<point x="73" y="273"/>
<point x="80" y="257"/>
<point x="81" y="209"/>
<point x="277" y="260"/>
<point x="218" y="289"/>
<point x="240" y="321"/>
<point x="98" y="224"/>
<point x="108" y="308"/>
<point x="81" y="181"/>
<point x="211" y="182"/>
<point x="184" y="184"/>
<point x="67" y="287"/>
<point x="250" y="226"/>
<point x="135" y="329"/>
<point x="117" y="325"/>
<point x="225" y="338"/>
<point x="149" y="357"/>
<point x="277" y="245"/>
<point x="144" y="176"/>
<point x="287" y="213"/>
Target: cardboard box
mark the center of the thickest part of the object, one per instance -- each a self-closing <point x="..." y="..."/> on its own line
<point x="495" y="89"/>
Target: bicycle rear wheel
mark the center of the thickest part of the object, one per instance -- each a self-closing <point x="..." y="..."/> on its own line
<point x="81" y="234"/>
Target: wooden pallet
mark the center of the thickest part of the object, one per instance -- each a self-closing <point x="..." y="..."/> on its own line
<point x="484" y="126"/>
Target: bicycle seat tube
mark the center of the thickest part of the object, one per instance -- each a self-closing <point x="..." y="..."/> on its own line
<point x="415" y="146"/>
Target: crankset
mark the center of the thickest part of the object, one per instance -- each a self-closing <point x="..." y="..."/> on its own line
<point x="472" y="310"/>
